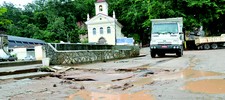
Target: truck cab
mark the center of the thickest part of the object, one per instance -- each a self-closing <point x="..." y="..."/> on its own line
<point x="166" y="37"/>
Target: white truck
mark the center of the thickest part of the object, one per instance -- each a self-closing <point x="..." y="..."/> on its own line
<point x="167" y="37"/>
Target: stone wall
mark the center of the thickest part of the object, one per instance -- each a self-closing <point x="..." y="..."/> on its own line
<point x="69" y="57"/>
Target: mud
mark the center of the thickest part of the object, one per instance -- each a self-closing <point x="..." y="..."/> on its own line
<point x="190" y="73"/>
<point x="87" y="95"/>
<point x="168" y="78"/>
<point x="210" y="86"/>
<point x="133" y="69"/>
<point x="185" y="74"/>
<point x="143" y="81"/>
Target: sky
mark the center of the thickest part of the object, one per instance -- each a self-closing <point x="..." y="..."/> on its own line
<point x="17" y="3"/>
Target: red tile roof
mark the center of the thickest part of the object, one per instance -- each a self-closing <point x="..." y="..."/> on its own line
<point x="100" y="0"/>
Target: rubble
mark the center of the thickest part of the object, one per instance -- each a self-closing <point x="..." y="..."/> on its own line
<point x="82" y="87"/>
<point x="54" y="85"/>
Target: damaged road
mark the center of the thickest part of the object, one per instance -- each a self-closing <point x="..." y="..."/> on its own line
<point x="197" y="75"/>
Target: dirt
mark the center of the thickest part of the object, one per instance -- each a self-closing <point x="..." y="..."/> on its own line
<point x="190" y="73"/>
<point x="167" y="78"/>
<point x="87" y="95"/>
<point x="210" y="86"/>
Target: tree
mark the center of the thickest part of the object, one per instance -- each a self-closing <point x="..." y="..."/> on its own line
<point x="3" y="21"/>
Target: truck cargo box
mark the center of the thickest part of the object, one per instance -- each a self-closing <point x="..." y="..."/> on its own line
<point x="212" y="39"/>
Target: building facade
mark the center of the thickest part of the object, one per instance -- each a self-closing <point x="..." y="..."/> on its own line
<point x="103" y="29"/>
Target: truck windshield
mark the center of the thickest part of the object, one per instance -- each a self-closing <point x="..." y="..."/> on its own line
<point x="165" y="28"/>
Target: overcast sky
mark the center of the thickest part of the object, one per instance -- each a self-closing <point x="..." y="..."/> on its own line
<point x="17" y="2"/>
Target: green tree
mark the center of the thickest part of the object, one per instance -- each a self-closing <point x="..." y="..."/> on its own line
<point x="3" y="21"/>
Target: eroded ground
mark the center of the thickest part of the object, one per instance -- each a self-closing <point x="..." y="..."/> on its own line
<point x="198" y="75"/>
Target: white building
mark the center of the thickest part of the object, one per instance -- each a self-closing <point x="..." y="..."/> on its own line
<point x="102" y="28"/>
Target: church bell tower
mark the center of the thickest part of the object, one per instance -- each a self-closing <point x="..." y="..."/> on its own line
<point x="101" y="6"/>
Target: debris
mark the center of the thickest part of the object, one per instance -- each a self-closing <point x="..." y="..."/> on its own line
<point x="150" y="72"/>
<point x="126" y="70"/>
<point x="131" y="69"/>
<point x="64" y="69"/>
<point x="146" y="73"/>
<point x="80" y="78"/>
<point x="54" y="85"/>
<point x="57" y="67"/>
<point x="174" y="70"/>
<point x="127" y="85"/>
<point x="46" y="69"/>
<point x="82" y="87"/>
<point x="160" y="96"/>
<point x="115" y="87"/>
<point x="57" y="75"/>
<point x="66" y="82"/>
<point x="73" y="87"/>
<point x="122" y="61"/>
<point x="167" y="70"/>
<point x="46" y="89"/>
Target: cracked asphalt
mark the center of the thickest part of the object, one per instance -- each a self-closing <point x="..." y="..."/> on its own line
<point x="197" y="75"/>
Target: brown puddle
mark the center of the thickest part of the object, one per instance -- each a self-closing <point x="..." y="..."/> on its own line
<point x="86" y="95"/>
<point x="190" y="73"/>
<point x="143" y="81"/>
<point x="211" y="86"/>
<point x="186" y="74"/>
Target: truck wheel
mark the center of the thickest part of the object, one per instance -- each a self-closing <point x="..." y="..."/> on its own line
<point x="214" y="46"/>
<point x="206" y="46"/>
<point x="179" y="53"/>
<point x="153" y="54"/>
<point x="200" y="47"/>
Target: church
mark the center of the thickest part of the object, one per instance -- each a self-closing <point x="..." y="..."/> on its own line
<point x="103" y="29"/>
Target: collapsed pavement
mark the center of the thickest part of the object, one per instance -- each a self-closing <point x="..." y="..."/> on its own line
<point x="143" y="77"/>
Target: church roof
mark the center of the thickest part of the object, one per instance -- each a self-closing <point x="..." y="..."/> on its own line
<point x="100" y="0"/>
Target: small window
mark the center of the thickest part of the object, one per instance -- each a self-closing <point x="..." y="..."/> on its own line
<point x="100" y="8"/>
<point x="101" y="30"/>
<point x="94" y="31"/>
<point x="108" y="30"/>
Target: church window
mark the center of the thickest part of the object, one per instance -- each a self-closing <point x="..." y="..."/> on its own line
<point x="108" y="30"/>
<point x="94" y="31"/>
<point x="101" y="30"/>
<point x="100" y="8"/>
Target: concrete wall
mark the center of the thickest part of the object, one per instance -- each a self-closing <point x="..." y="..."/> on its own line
<point x="38" y="52"/>
<point x="84" y="56"/>
<point x="21" y="53"/>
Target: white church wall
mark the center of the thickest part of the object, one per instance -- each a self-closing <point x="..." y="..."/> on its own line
<point x="118" y="32"/>
<point x="110" y="37"/>
<point x="101" y="19"/>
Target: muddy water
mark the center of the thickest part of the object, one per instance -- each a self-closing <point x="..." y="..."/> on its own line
<point x="211" y="86"/>
<point x="142" y="81"/>
<point x="86" y="95"/>
<point x="190" y="73"/>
